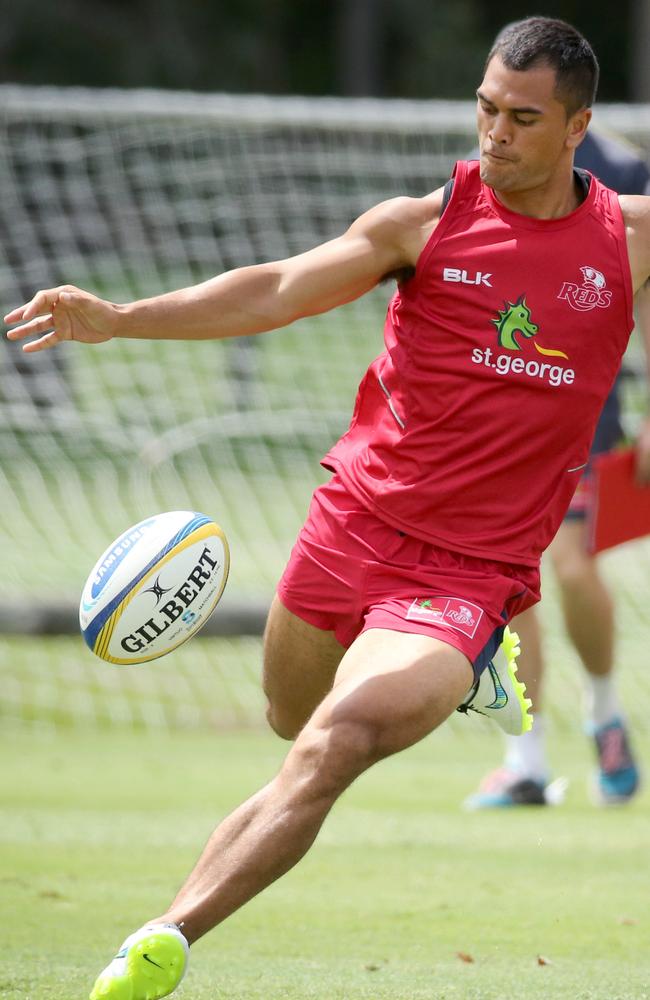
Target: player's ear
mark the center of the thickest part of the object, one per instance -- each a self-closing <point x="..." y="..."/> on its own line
<point x="577" y="125"/>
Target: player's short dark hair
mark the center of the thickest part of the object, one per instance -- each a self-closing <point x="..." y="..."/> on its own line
<point x="547" y="41"/>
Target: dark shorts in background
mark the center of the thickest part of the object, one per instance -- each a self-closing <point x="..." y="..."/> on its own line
<point x="609" y="434"/>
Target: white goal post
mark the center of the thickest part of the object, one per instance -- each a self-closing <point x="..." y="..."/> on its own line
<point x="130" y="193"/>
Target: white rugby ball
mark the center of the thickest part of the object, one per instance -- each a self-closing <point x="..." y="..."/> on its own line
<point x="154" y="587"/>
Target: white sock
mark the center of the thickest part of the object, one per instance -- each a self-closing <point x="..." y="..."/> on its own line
<point x="601" y="699"/>
<point x="526" y="755"/>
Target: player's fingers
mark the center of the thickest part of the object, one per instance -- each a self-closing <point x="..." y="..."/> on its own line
<point x="42" y="302"/>
<point x="43" y="343"/>
<point x="18" y="313"/>
<point x="38" y="325"/>
<point x="15" y="315"/>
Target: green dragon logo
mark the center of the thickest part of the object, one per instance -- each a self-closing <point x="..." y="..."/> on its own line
<point x="515" y="319"/>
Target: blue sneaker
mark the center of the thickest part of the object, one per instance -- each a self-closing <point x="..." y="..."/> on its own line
<point x="503" y="789"/>
<point x="617" y="778"/>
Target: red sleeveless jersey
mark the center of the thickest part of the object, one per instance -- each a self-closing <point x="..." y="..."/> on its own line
<point x="473" y="426"/>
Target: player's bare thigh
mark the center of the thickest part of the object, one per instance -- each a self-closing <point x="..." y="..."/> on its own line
<point x="300" y="663"/>
<point x="392" y="689"/>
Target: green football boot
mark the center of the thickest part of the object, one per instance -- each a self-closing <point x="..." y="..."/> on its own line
<point x="498" y="693"/>
<point x="149" y="965"/>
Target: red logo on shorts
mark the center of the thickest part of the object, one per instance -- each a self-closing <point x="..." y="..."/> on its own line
<point x="452" y="612"/>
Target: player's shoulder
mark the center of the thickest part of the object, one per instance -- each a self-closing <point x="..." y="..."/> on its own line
<point x="409" y="212"/>
<point x="636" y="209"/>
<point x="401" y="226"/>
<point x="636" y="216"/>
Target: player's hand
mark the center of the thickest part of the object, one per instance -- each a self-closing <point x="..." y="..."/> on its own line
<point x="64" y="313"/>
<point x="643" y="454"/>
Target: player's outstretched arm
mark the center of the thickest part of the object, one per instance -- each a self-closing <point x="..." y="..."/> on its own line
<point x="245" y="301"/>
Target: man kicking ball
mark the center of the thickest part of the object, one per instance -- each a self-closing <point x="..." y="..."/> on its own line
<point x="467" y="440"/>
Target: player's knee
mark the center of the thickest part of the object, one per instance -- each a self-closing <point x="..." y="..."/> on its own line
<point x="330" y="758"/>
<point x="573" y="569"/>
<point x="284" y="723"/>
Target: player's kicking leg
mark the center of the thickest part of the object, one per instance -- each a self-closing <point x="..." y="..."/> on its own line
<point x="390" y="691"/>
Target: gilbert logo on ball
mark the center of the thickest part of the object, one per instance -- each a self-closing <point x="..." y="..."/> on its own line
<point x="154" y="587"/>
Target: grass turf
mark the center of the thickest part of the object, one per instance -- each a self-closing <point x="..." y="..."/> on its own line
<point x="404" y="895"/>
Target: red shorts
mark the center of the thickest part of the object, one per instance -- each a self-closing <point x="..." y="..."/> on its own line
<point x="350" y="571"/>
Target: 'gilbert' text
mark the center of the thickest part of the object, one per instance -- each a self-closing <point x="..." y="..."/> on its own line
<point x="176" y="606"/>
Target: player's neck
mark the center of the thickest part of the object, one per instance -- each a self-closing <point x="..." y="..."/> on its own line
<point x="552" y="200"/>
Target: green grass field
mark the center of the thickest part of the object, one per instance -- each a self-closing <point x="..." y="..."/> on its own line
<point x="99" y="828"/>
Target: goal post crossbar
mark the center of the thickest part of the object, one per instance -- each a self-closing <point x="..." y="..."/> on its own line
<point x="389" y="115"/>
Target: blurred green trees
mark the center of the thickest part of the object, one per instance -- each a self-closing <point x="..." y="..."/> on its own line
<point x="395" y="48"/>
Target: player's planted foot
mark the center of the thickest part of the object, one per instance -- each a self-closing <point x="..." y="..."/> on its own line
<point x="617" y="778"/>
<point x="504" y="788"/>
<point x="149" y="965"/>
<point x="498" y="694"/>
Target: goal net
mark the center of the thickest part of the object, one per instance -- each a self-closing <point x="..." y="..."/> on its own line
<point x="132" y="193"/>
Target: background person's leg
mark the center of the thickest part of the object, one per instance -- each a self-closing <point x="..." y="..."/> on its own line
<point x="588" y="611"/>
<point x="526" y="755"/>
<point x="587" y="605"/>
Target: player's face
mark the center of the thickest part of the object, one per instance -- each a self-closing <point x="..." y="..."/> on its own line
<point x="523" y="129"/>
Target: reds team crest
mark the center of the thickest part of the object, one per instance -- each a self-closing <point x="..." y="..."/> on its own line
<point x="453" y="612"/>
<point x="591" y="294"/>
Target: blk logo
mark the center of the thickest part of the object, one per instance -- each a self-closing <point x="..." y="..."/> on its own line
<point x="454" y="274"/>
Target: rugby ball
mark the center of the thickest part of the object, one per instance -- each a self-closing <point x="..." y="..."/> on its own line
<point x="154" y="587"/>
